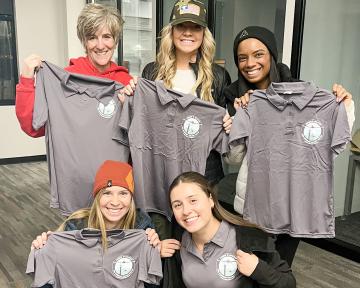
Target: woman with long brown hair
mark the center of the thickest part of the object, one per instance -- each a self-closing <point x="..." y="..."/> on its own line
<point x="217" y="249"/>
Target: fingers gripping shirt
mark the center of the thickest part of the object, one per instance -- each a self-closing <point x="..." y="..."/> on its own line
<point x="169" y="133"/>
<point x="76" y="259"/>
<point x="80" y="113"/>
<point x="292" y="132"/>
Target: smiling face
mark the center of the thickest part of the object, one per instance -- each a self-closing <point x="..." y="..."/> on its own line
<point x="187" y="38"/>
<point x="114" y="204"/>
<point x="100" y="48"/>
<point x="254" y="61"/>
<point x="192" y="208"/>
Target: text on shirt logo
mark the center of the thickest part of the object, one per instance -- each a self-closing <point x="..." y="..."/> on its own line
<point x="123" y="267"/>
<point x="312" y="131"/>
<point x="191" y="126"/>
<point x="226" y="266"/>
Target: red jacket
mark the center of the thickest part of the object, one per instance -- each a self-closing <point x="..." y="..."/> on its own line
<point x="25" y="90"/>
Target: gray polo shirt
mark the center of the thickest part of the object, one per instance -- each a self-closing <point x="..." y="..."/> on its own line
<point x="80" y="113"/>
<point x="217" y="266"/>
<point x="169" y="133"/>
<point x="292" y="131"/>
<point x="77" y="259"/>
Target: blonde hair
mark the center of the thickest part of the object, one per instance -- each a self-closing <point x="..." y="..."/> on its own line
<point x="96" y="218"/>
<point x="166" y="62"/>
<point x="95" y="16"/>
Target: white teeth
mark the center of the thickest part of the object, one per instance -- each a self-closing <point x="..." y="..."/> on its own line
<point x="252" y="72"/>
<point x="191" y="219"/>
<point x="114" y="210"/>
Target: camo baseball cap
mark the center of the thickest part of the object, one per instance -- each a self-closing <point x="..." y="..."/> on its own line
<point x="189" y="10"/>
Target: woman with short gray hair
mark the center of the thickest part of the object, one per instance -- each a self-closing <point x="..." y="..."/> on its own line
<point x="98" y="29"/>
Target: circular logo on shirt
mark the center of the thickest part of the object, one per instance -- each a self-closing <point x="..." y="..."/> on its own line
<point x="123" y="267"/>
<point x="312" y="132"/>
<point x="107" y="111"/>
<point x="191" y="126"/>
<point x="226" y="266"/>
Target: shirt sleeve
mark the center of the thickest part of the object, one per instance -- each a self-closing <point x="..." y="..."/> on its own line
<point x="150" y="267"/>
<point x="40" y="114"/>
<point x="42" y="263"/>
<point x="341" y="133"/>
<point x="124" y="122"/>
<point x="24" y="106"/>
<point x="218" y="137"/>
<point x="240" y="128"/>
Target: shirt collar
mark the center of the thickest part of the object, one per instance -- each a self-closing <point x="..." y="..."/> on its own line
<point x="219" y="238"/>
<point x="165" y="97"/>
<point x="90" y="237"/>
<point x="222" y="234"/>
<point x="71" y="88"/>
<point x="303" y="93"/>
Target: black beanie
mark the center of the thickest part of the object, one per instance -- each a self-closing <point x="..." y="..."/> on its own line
<point x="262" y="34"/>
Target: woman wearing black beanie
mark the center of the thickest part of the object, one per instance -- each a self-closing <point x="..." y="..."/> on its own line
<point x="256" y="57"/>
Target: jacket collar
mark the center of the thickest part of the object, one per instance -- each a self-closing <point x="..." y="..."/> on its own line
<point x="165" y="97"/>
<point x="303" y="93"/>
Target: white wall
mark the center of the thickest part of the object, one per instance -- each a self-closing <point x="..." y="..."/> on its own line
<point x="330" y="55"/>
<point x="48" y="28"/>
<point x="74" y="47"/>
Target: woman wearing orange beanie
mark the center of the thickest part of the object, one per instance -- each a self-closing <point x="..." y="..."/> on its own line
<point x="113" y="206"/>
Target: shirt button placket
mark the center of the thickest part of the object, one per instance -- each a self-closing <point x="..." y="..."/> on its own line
<point x="289" y="128"/>
<point x="171" y="113"/>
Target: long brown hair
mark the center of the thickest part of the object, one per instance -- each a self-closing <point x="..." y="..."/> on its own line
<point x="218" y="211"/>
<point x="95" y="219"/>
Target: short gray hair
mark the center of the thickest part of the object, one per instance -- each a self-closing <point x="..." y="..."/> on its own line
<point x="95" y="16"/>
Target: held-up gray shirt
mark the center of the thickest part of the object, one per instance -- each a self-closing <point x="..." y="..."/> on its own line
<point x="169" y="133"/>
<point x="292" y="131"/>
<point x="80" y="113"/>
<point x="77" y="259"/>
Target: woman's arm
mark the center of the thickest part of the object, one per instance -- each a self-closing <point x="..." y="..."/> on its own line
<point x="273" y="272"/>
<point x="24" y="106"/>
<point x="25" y="96"/>
<point x="236" y="155"/>
<point x="343" y="95"/>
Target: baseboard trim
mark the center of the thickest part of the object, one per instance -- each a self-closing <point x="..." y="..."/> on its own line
<point x="26" y="159"/>
<point x="338" y="247"/>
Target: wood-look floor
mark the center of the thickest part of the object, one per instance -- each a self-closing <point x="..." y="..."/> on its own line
<point x="25" y="212"/>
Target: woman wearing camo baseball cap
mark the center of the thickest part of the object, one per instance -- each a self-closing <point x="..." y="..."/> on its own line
<point x="185" y="63"/>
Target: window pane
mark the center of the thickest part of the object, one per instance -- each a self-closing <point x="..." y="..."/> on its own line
<point x="139" y="45"/>
<point x="7" y="81"/>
